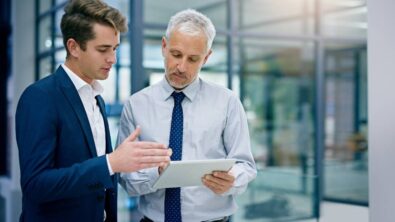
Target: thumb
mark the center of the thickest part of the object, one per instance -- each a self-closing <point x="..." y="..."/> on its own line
<point x="133" y="136"/>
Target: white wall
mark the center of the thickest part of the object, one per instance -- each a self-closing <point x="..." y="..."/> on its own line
<point x="381" y="100"/>
<point x="22" y="75"/>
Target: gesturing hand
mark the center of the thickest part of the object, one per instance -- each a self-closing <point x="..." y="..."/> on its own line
<point x="132" y="155"/>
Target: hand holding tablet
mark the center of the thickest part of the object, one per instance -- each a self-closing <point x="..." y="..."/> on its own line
<point x="190" y="172"/>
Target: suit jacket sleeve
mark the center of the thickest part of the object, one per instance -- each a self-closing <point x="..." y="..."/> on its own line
<point x="37" y="130"/>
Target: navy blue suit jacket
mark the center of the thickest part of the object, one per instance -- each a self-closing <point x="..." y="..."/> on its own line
<point x="62" y="178"/>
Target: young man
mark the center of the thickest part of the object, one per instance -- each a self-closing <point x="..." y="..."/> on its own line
<point x="199" y="120"/>
<point x="68" y="169"/>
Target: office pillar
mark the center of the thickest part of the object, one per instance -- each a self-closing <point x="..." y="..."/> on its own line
<point x="381" y="109"/>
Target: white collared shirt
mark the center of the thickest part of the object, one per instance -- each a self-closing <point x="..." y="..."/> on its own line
<point x="87" y="93"/>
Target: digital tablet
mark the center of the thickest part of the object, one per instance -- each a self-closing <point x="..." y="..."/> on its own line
<point x="190" y="172"/>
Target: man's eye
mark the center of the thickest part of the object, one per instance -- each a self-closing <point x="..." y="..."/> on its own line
<point x="177" y="55"/>
<point x="102" y="50"/>
<point x="193" y="60"/>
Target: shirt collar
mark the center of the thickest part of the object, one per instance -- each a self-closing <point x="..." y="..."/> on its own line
<point x="190" y="91"/>
<point x="79" y="83"/>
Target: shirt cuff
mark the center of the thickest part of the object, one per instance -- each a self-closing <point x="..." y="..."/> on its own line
<point x="109" y="166"/>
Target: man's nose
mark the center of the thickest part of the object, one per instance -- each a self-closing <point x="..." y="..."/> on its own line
<point x="112" y="58"/>
<point x="182" y="65"/>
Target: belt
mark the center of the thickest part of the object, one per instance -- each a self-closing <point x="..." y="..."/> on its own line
<point x="224" y="219"/>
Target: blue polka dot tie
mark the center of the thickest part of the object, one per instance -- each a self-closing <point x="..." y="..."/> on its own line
<point x="172" y="197"/>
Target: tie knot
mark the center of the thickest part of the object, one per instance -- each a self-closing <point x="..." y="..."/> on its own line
<point x="178" y="97"/>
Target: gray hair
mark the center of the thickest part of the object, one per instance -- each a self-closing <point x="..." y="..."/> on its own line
<point x="192" y="22"/>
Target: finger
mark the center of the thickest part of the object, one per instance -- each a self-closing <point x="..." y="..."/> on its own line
<point x="133" y="136"/>
<point x="148" y="165"/>
<point x="160" y="160"/>
<point x="223" y="175"/>
<point x="149" y="145"/>
<point x="154" y="152"/>
<point x="212" y="186"/>
<point x="213" y="180"/>
<point x="219" y="182"/>
<point x="164" y="165"/>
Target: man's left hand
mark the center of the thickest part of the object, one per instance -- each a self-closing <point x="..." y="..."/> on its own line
<point x="219" y="181"/>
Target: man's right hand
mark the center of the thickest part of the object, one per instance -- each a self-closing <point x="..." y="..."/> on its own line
<point x="132" y="155"/>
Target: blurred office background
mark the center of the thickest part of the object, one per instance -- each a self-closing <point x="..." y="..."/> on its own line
<point x="299" y="67"/>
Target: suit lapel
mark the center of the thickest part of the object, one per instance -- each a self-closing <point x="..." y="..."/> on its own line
<point x="101" y="104"/>
<point x="68" y="89"/>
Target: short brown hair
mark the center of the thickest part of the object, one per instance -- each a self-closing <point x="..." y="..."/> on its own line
<point x="80" y="16"/>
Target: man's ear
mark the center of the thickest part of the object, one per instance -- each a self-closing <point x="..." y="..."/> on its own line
<point x="164" y="44"/>
<point x="73" y="47"/>
<point x="206" y="57"/>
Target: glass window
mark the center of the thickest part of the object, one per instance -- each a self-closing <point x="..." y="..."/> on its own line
<point x="344" y="18"/>
<point x="45" y="5"/>
<point x="45" y="42"/>
<point x="124" y="84"/>
<point x="346" y="163"/>
<point x="123" y="58"/>
<point x="45" y="67"/>
<point x="60" y="57"/>
<point x="58" y="32"/>
<point x="159" y="12"/>
<point x="286" y="17"/>
<point x="109" y="87"/>
<point x="277" y="91"/>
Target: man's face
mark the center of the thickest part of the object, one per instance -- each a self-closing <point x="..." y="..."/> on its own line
<point x="184" y="55"/>
<point x="95" y="62"/>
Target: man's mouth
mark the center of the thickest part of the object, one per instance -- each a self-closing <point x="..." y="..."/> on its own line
<point x="107" y="69"/>
<point x="178" y="75"/>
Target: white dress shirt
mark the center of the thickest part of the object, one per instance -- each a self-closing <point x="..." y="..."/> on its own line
<point x="87" y="93"/>
<point x="215" y="126"/>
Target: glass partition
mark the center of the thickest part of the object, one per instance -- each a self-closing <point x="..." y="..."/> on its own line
<point x="277" y="92"/>
<point x="346" y="157"/>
